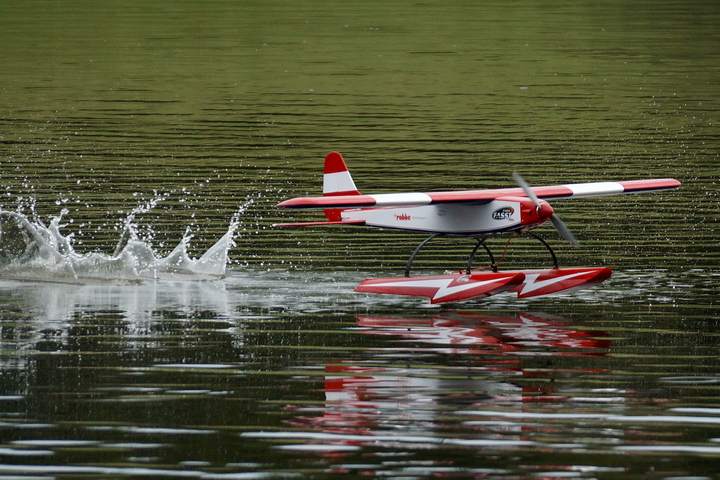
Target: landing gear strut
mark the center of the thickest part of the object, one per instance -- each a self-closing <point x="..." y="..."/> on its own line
<point x="480" y="242"/>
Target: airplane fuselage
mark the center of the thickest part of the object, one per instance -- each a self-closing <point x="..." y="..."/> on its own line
<point x="497" y="216"/>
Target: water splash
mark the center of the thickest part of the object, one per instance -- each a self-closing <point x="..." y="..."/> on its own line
<point x="31" y="250"/>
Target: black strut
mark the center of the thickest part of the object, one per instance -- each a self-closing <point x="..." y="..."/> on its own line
<point x="471" y="258"/>
<point x="473" y="253"/>
<point x="417" y="249"/>
<point x="549" y="248"/>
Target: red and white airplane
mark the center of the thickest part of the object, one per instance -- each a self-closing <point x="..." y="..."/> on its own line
<point x="476" y="213"/>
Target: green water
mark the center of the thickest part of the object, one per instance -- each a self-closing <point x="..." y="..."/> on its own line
<point x="280" y="368"/>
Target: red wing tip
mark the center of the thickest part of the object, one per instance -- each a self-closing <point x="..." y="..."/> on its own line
<point x="291" y="202"/>
<point x="651" y="184"/>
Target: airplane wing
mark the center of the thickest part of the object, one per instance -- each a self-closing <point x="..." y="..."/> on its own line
<point x="479" y="197"/>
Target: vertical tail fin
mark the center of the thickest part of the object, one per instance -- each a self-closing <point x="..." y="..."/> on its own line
<point x="336" y="178"/>
<point x="337" y="181"/>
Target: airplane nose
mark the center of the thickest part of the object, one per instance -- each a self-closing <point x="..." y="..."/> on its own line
<point x="544" y="210"/>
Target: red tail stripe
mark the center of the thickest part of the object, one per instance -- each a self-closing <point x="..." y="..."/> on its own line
<point x="334" y="163"/>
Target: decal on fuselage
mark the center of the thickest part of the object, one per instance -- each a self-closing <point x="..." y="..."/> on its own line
<point x="503" y="213"/>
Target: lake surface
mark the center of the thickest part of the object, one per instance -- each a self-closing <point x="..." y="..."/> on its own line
<point x="217" y="346"/>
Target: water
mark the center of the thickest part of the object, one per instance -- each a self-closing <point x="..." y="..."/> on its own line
<point x="154" y="324"/>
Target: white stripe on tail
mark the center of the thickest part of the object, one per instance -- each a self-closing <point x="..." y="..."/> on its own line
<point x="336" y="178"/>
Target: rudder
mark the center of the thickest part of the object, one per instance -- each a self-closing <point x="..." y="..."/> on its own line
<point x="337" y="181"/>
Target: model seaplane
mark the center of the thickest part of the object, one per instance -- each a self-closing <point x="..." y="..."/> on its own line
<point x="479" y="214"/>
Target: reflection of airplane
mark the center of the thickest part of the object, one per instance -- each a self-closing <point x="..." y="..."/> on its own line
<point x="381" y="398"/>
<point x="508" y="334"/>
<point x="475" y="213"/>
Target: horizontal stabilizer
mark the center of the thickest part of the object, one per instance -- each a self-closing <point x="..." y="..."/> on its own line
<point x="314" y="224"/>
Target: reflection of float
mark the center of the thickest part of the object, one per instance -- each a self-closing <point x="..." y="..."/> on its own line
<point x="395" y="398"/>
<point x="505" y="333"/>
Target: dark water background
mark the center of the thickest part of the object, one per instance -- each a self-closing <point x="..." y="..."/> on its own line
<point x="279" y="369"/>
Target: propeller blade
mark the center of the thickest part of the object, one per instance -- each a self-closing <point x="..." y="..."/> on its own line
<point x="563" y="230"/>
<point x="557" y="223"/>
<point x="526" y="187"/>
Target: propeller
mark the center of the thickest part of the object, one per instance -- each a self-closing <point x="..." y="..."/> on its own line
<point x="557" y="223"/>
